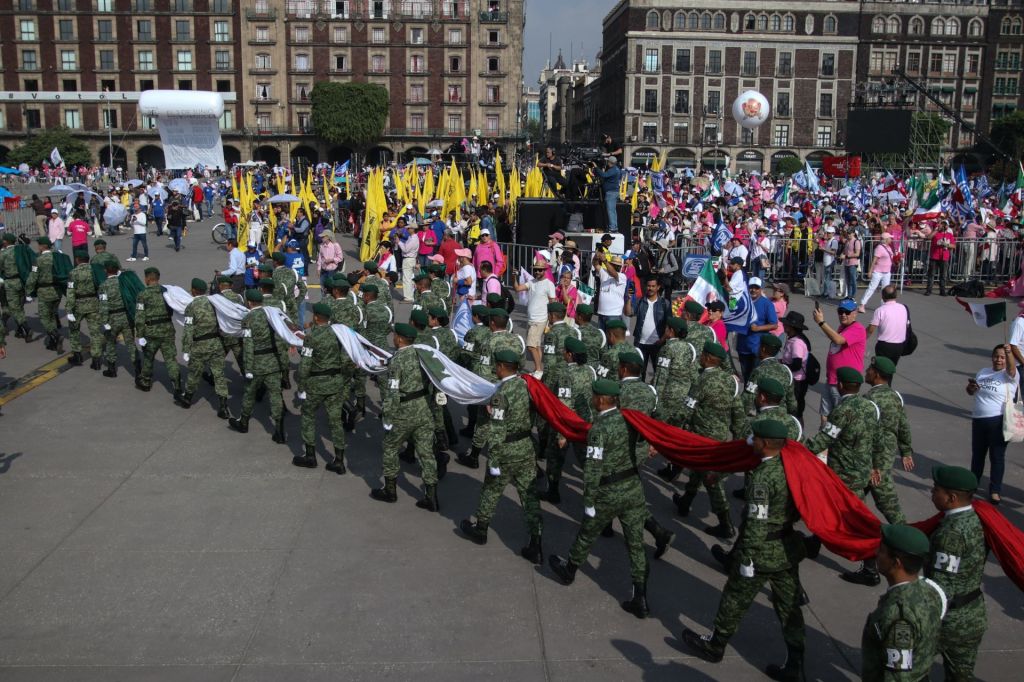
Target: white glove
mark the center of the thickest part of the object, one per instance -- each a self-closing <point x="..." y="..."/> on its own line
<point x="71" y="317"/>
<point x="747" y="571"/>
<point x="248" y="375"/>
<point x="184" y="356"/>
<point x="388" y="427"/>
<point x="494" y="471"/>
<point x="142" y="342"/>
<point x="107" y="327"/>
<point x="301" y="395"/>
<point x="28" y="299"/>
<point x="590" y="511"/>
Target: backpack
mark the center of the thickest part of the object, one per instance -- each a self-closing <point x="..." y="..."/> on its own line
<point x="812" y="370"/>
<point x="507" y="299"/>
<point x="972" y="289"/>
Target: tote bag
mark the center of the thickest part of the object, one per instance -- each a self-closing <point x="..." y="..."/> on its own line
<point x="1013" y="419"/>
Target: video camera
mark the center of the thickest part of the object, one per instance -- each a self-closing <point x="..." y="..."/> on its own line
<point x="583" y="156"/>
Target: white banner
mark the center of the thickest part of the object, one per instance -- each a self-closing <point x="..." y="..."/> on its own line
<point x="191" y="140"/>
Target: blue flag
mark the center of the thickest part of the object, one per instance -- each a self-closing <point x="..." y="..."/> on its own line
<point x="739" y="314"/>
<point x="719" y="238"/>
<point x="462" y="321"/>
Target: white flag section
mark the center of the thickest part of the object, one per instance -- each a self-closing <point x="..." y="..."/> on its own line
<point x="462" y="321"/>
<point x="229" y="315"/>
<point x="279" y="323"/>
<point x="458" y="383"/>
<point x="177" y="299"/>
<point x="367" y="356"/>
<point x="189" y="126"/>
<point x="55" y="157"/>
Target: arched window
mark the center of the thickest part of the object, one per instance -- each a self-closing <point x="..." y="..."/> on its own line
<point x="788" y="22"/>
<point x="749" y="22"/>
<point x="917" y="26"/>
<point x="829" y="25"/>
<point x="975" y="28"/>
<point x="762" y="22"/>
<point x="878" y="25"/>
<point x="653" y="21"/>
<point x="720" y="22"/>
<point x="776" y="23"/>
<point x="679" y="21"/>
<point x="1004" y="28"/>
<point x="938" y="26"/>
<point x="1015" y="30"/>
<point x="705" y="21"/>
<point x="892" y="26"/>
<point x="692" y="21"/>
<point x="952" y="27"/>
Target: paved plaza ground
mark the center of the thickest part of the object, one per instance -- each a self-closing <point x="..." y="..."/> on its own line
<point x="140" y="541"/>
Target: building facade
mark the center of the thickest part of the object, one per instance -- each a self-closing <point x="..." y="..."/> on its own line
<point x="453" y="69"/>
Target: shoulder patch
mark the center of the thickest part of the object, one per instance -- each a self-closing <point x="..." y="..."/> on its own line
<point x="831" y="430"/>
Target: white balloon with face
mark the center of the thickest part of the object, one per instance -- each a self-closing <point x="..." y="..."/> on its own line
<point x="751" y="109"/>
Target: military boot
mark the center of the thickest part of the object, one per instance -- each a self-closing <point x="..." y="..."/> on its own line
<point x="279" y="435"/>
<point x="138" y="363"/>
<point x="662" y="536"/>
<point x="348" y="419"/>
<point x="337" y="465"/>
<point x="48" y="341"/>
<point x="361" y="406"/>
<point x="408" y="455"/>
<point x="26" y="333"/>
<point x="222" y="409"/>
<point x="721" y="556"/>
<point x="867" y="575"/>
<point x="533" y="552"/>
<point x="111" y="370"/>
<point x="552" y="493"/>
<point x="19" y="333"/>
<point x="58" y="343"/>
<point x="563" y="568"/>
<point x="477" y="532"/>
<point x="75" y="358"/>
<point x="177" y="394"/>
<point x="469" y="459"/>
<point x="141" y="384"/>
<point x="638" y="604"/>
<point x="308" y="460"/>
<point x="241" y="424"/>
<point x="183" y="400"/>
<point x="429" y="501"/>
<point x="669" y="472"/>
<point x="260" y="392"/>
<point x="724" y="529"/>
<point x="286" y="382"/>
<point x="388" y="493"/>
<point x="683" y="503"/>
<point x="709" y="647"/>
<point x="208" y="376"/>
<point x="96" y="363"/>
<point x="442" y="458"/>
<point x="792" y="671"/>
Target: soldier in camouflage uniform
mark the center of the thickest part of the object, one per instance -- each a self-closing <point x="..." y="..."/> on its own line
<point x="405" y="414"/>
<point x="271" y="300"/>
<point x="285" y="282"/>
<point x="41" y="285"/>
<point x="325" y="372"/>
<point x="263" y="368"/>
<point x="378" y="316"/>
<point x="617" y="343"/>
<point x="575" y="391"/>
<point x="102" y="256"/>
<point x="202" y="349"/>
<point x="383" y="285"/>
<point x="893" y="436"/>
<point x="344" y="309"/>
<point x="698" y="334"/>
<point x="850" y="436"/>
<point x="511" y="458"/>
<point x="611" y="489"/>
<point x="154" y="332"/>
<point x="767" y="550"/>
<point x="420" y="321"/>
<point x="901" y="636"/>
<point x="447" y="343"/>
<point x="113" y="317"/>
<point x="424" y="298"/>
<point x="675" y="372"/>
<point x="708" y="412"/>
<point x="769" y="366"/>
<point x="14" y="288"/>
<point x="231" y="344"/>
<point x="956" y="562"/>
<point x="83" y="304"/>
<point x="553" y="345"/>
<point x="440" y="286"/>
<point x="470" y="358"/>
<point x="592" y="335"/>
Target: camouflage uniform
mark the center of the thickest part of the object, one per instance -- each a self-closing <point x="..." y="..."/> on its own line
<point x="637" y="395"/>
<point x="202" y="341"/>
<point x="233" y="344"/>
<point x="443" y="290"/>
<point x="273" y="301"/>
<point x="500" y="340"/>
<point x="596" y="341"/>
<point x="262" y="360"/>
<point x="114" y="318"/>
<point x="153" y="323"/>
<point x="708" y="412"/>
<point x="609" y="365"/>
<point x="612" y="488"/>
<point x="901" y="636"/>
<point x="444" y="340"/>
<point x="83" y="303"/>
<point x="511" y="454"/>
<point x="13" y="286"/>
<point x="893" y="435"/>
<point x="956" y="562"/>
<point x="849" y="436"/>
<point x="383" y="290"/>
<point x="426" y="300"/>
<point x="770" y="368"/>
<point x="698" y="334"/>
<point x="553" y="348"/>
<point x="378" y="323"/>
<point x="779" y="414"/>
<point x="40" y="284"/>
<point x="675" y="373"/>
<point x="575" y="390"/>
<point x="325" y="372"/>
<point x="475" y="338"/>
<point x="285" y="280"/>
<point x="345" y="311"/>
<point x="405" y="414"/>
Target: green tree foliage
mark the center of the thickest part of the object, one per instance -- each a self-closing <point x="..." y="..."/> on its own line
<point x="349" y="114"/>
<point x="1008" y="134"/>
<point x="789" y="165"/>
<point x="37" y="148"/>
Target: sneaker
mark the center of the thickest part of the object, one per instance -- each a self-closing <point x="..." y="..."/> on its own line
<point x="538" y="374"/>
<point x="860" y="309"/>
<point x="145" y="258"/>
<point x="130" y="260"/>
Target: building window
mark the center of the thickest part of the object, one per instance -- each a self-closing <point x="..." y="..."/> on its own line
<point x="147" y="122"/>
<point x="493" y="65"/>
<point x="653" y="21"/>
<point x="263" y="121"/>
<point x="29" y="60"/>
<point x="66" y="5"/>
<point x="825" y="105"/>
<point x="68" y="60"/>
<point x="455" y="124"/>
<point x="719" y="22"/>
<point x="417" y="63"/>
<point x="377" y="64"/>
<point x="762" y="22"/>
<point x="263" y="92"/>
<point x="679" y="21"/>
<point x="33" y="119"/>
<point x="340" y="9"/>
<point x="949" y="64"/>
<point x="227" y="120"/>
<point x="913" y="62"/>
<point x="108" y="85"/>
<point x="692" y="21"/>
<point x="301" y="34"/>
<point x="104" y="5"/>
<point x="105" y="30"/>
<point x="72" y="118"/>
<point x="650" y="101"/>
<point x="681" y="105"/>
<point x="66" y="29"/>
<point x="493" y="94"/>
<point x="651" y="61"/>
<point x="975" y="28"/>
<point x="828" y="64"/>
<point x="824" y="137"/>
<point x="650" y="133"/>
<point x="223" y="86"/>
<point x="220" y="6"/>
<point x="184" y="60"/>
<point x="262" y="34"/>
<point x="340" y="34"/>
<point x="781" y="138"/>
<point x="416" y="92"/>
<point x="220" y="32"/>
<point x="144" y="29"/>
<point x="182" y="29"/>
<point x="302" y="62"/>
<point x="140" y="5"/>
<point x="69" y="85"/>
<point x="749" y="63"/>
<point x="222" y="60"/>
<point x="416" y="123"/>
<point x="146" y="60"/>
<point x="916" y="26"/>
<point x="892" y="26"/>
<point x="785" y="64"/>
<point x="788" y="22"/>
<point x="714" y="101"/>
<point x="494" y="37"/>
<point x="714" y="61"/>
<point x="746" y="137"/>
<point x="455" y="93"/>
<point x="109" y="119"/>
<point x="181" y="5"/>
<point x="263" y="62"/>
<point x="377" y="35"/>
<point x="681" y="133"/>
<point x="107" y="60"/>
<point x="491" y="124"/>
<point x="416" y="36"/>
<point x="782" y="104"/>
<point x="829" y="25"/>
<point x="302" y="91"/>
<point x="938" y="26"/>
<point x="935" y="62"/>
<point x="711" y="133"/>
<point x="952" y="27"/>
<point x="340" y="62"/>
<point x="455" y="36"/>
<point x="973" y="62"/>
<point x="185" y="84"/>
<point x="27" y="29"/>
<point x="683" y="61"/>
<point x="455" y="64"/>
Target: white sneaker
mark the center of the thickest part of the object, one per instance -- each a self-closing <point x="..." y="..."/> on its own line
<point x="538" y="375"/>
<point x="145" y="258"/>
<point x="130" y="260"/>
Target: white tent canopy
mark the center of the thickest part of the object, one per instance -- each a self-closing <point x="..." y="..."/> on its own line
<point x="188" y="121"/>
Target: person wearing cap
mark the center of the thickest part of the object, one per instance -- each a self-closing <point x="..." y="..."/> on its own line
<point x="232" y="344"/>
<point x="553" y="345"/>
<point x="285" y="285"/>
<point x="762" y="322"/>
<point x="611" y="178"/>
<point x="769" y="366"/>
<point x="55" y="229"/>
<point x="465" y="277"/>
<point x="440" y="285"/>
<point x="675" y="372"/>
<point x="82" y="304"/>
<point x="330" y="259"/>
<point x="618" y="343"/>
<point x="956" y="563"/>
<point x="796" y="352"/>
<point x="154" y="333"/>
<point x="383" y="284"/>
<point x="424" y="298"/>
<point x="768" y="404"/>
<point x="697" y="334"/>
<point x="512" y="457"/>
<point x="445" y="340"/>
<point x="469" y="357"/>
<point x="406" y="417"/>
<point x="611" y="489"/>
<point x="893" y="437"/>
<point x="901" y="636"/>
<point x="767" y="550"/>
<point x="611" y="296"/>
<point x="13" y="286"/>
<point x="324" y="376"/>
<point x="849" y="341"/>
<point x="880" y="270"/>
<point x="113" y="319"/>
<point x="488" y="251"/>
<point x="591" y="334"/>
<point x="202" y="349"/>
<point x="540" y="293"/>
<point x="264" y="370"/>
<point x="42" y="285"/>
<point x="652" y="313"/>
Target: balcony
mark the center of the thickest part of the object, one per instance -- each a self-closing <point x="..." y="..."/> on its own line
<point x="301" y="70"/>
<point x="492" y="103"/>
<point x="455" y="74"/>
<point x="416" y="72"/>
<point x="494" y="17"/>
<point x="263" y="100"/>
<point x="269" y="14"/>
<point x="262" y="41"/>
<point x="493" y="74"/>
<point x="262" y="72"/>
<point x="222" y="68"/>
<point x="494" y="46"/>
<point x="456" y="101"/>
<point x="341" y="72"/>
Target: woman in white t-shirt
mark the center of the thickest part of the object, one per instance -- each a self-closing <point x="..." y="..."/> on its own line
<point x="991" y="389"/>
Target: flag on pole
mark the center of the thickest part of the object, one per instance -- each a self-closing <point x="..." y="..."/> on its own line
<point x="719" y="237"/>
<point x="985" y="314"/>
<point x="55" y="157"/>
<point x="706" y="285"/>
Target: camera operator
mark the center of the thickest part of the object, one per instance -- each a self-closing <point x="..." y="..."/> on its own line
<point x="612" y="148"/>
<point x="551" y="168"/>
<point x="611" y="178"/>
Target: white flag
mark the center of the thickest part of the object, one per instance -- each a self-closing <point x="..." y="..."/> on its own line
<point x="55" y="157"/>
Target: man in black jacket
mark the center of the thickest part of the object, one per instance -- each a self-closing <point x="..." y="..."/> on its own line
<point x="652" y="313"/>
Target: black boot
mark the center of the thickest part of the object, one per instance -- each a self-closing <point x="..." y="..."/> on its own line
<point x="279" y="435"/>
<point x="867" y="575"/>
<point x="812" y="545"/>
<point x="111" y="370"/>
<point x="348" y="419"/>
<point x="286" y="382"/>
<point x="222" y="410"/>
<point x="96" y="363"/>
<point x="552" y="493"/>
<point x="709" y="647"/>
<point x="260" y="392"/>
<point x="141" y="384"/>
<point x="138" y="363"/>
<point x="662" y="536"/>
<point x="638" y="604"/>
<point x="721" y="556"/>
<point x="683" y="503"/>
<point x="361" y="406"/>
<point x="669" y="472"/>
<point x="58" y="343"/>
<point x="48" y="341"/>
<point x="469" y="459"/>
<point x="477" y="532"/>
<point x="563" y="568"/>
<point x="241" y="424"/>
<point x="429" y="501"/>
<point x="408" y="455"/>
<point x="608" y="531"/>
<point x="308" y="460"/>
<point x="183" y="400"/>
<point x="533" y="552"/>
<point x="26" y="333"/>
<point x="792" y="671"/>
<point x="177" y="394"/>
<point x="338" y="464"/>
<point x="442" y="458"/>
<point x="388" y="493"/>
<point x="19" y="331"/>
<point x="75" y="358"/>
<point x="208" y="376"/>
<point x="724" y="529"/>
<point x="440" y="440"/>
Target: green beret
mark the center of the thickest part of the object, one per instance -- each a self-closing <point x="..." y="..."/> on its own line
<point x="439" y="312"/>
<point x="715" y="350"/>
<point x="9" y="238"/>
<point x="224" y="279"/>
<point x="278" y="257"/>
<point x="499" y="313"/>
<point x="511" y="357"/>
<point x="322" y="309"/>
<point x="574" y="345"/>
<point x="884" y="365"/>
<point x="481" y="310"/>
<point x="848" y="375"/>
<point x="265" y="267"/>
<point x="556" y="307"/>
<point x="677" y="324"/>
<point x="954" y="478"/>
<point x="419" y="277"/>
<point x="419" y="316"/>
<point x="693" y="307"/>
<point x="771" y="341"/>
<point x="631" y="357"/>
<point x="584" y="309"/>
<point x="198" y="284"/>
<point x="436" y="268"/>
<point x="906" y="539"/>
<point x="341" y="282"/>
<point x="45" y="241"/>
<point x="494" y="299"/>
<point x="100" y="242"/>
<point x="769" y="428"/>
<point x="371" y="265"/>
<point x="253" y="295"/>
<point x="81" y="253"/>
<point x="369" y="289"/>
<point x="771" y="387"/>
<point x="615" y="323"/>
<point x="606" y="387"/>
<point x="406" y="330"/>
<point x="151" y="271"/>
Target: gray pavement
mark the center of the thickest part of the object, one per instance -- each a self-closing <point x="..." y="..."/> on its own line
<point x="140" y="541"/>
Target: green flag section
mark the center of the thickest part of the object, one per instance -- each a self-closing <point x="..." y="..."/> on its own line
<point x="131" y="287"/>
<point x="985" y="314"/>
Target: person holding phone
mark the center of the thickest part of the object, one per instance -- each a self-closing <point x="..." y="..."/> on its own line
<point x="991" y="388"/>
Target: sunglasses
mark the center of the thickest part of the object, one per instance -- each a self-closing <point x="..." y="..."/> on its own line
<point x="847" y="312"/>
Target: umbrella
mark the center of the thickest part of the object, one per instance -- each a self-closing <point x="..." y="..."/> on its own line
<point x="77" y="186"/>
<point x="4" y="170"/>
<point x="157" y="191"/>
<point x="285" y="199"/>
<point x="436" y="203"/>
<point x="435" y="152"/>
<point x="115" y="214"/>
<point x="135" y="182"/>
<point x="60" y="189"/>
<point x="179" y="185"/>
<point x="424" y="162"/>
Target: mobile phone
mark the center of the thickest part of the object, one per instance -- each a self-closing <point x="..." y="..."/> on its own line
<point x="817" y="305"/>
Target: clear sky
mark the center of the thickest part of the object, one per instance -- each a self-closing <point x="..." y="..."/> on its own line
<point x="572" y="25"/>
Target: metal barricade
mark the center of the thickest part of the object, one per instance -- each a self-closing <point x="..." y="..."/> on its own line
<point x="19" y="222"/>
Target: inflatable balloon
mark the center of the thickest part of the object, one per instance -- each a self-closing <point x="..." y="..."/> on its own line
<point x="751" y="109"/>
<point x="115" y="215"/>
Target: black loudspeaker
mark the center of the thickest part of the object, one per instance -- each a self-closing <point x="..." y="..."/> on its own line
<point x="538" y="218"/>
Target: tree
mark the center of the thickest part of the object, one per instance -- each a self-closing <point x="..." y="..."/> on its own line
<point x="349" y="114"/>
<point x="789" y="165"/>
<point x="1008" y="134"/>
<point x="37" y="148"/>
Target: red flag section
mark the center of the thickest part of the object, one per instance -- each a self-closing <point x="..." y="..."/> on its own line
<point x="841" y="166"/>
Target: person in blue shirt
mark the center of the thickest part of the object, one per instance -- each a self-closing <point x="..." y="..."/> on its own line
<point x="296" y="260"/>
<point x="156" y="208"/>
<point x="763" y="319"/>
<point x="611" y="178"/>
<point x="284" y="226"/>
<point x="437" y="226"/>
<point x="208" y="194"/>
<point x="253" y="258"/>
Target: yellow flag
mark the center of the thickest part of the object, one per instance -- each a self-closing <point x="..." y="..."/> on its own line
<point x="499" y="179"/>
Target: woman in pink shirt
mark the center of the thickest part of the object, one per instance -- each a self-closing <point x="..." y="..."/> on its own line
<point x="780" y="299"/>
<point x="566" y="293"/>
<point x="79" y="230"/>
<point x="716" y="310"/>
<point x="488" y="250"/>
<point x="794" y="356"/>
<point x="428" y="240"/>
<point x="880" y="270"/>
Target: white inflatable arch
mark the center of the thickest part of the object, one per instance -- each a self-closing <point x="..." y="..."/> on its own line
<point x="189" y="126"/>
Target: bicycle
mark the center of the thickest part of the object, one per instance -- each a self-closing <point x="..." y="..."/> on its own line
<point x="220" y="233"/>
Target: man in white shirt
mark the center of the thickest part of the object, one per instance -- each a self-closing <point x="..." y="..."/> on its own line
<point x="737" y="250"/>
<point x="828" y="261"/>
<point x="139" y="233"/>
<point x="410" y="247"/>
<point x="540" y="292"/>
<point x="612" y="292"/>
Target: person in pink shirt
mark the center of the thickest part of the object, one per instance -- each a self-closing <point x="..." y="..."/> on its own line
<point x="715" y="312"/>
<point x="846" y="350"/>
<point x="780" y="299"/>
<point x="428" y="242"/>
<point x="489" y="251"/>
<point x="79" y="230"/>
<point x="794" y="356"/>
<point x="566" y="293"/>
<point x="941" y="251"/>
<point x="880" y="270"/>
<point x="55" y="230"/>
<point x="890" y="321"/>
